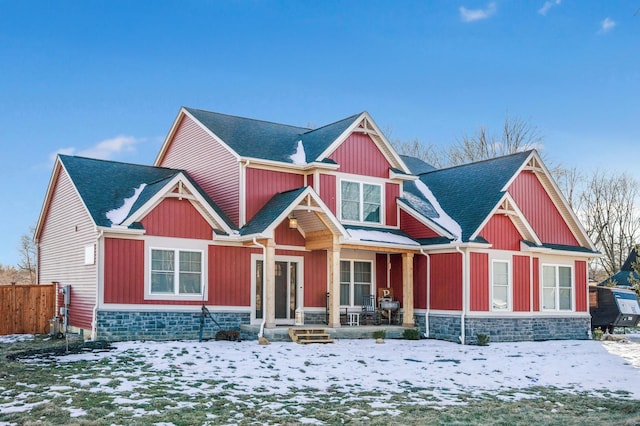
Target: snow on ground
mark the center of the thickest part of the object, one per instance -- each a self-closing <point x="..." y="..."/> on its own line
<point x="443" y="369"/>
<point x="13" y="338"/>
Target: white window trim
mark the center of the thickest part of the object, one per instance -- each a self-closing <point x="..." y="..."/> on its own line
<point x="556" y="266"/>
<point x="509" y="307"/>
<point x="351" y="282"/>
<point x="176" y="244"/>
<point x="360" y="182"/>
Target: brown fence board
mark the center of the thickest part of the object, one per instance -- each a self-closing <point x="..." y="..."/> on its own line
<point x="26" y="309"/>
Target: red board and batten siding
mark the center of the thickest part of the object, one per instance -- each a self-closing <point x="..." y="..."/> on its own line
<point x="536" y="284"/>
<point x="328" y="191"/>
<point x="315" y="276"/>
<point x="210" y="164"/>
<point x="581" y="285"/>
<point x="446" y="281"/>
<point x="287" y="236"/>
<point x="177" y="218"/>
<point x="538" y="208"/>
<point x="262" y="185"/>
<point x="521" y="284"/>
<point x="123" y="271"/>
<point x="420" y="265"/>
<point x="230" y="275"/>
<point x="68" y="229"/>
<point x="415" y="228"/>
<point x="479" y="275"/>
<point x="359" y="155"/>
<point x="392" y="192"/>
<point x="501" y="233"/>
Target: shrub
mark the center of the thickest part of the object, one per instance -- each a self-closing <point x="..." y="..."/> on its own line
<point x="483" y="339"/>
<point x="597" y="334"/>
<point x="411" y="334"/>
<point x="379" y="334"/>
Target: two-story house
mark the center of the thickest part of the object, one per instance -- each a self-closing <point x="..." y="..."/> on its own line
<point x="270" y="224"/>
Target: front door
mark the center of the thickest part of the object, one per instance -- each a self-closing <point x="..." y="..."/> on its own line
<point x="286" y="291"/>
<point x="288" y="288"/>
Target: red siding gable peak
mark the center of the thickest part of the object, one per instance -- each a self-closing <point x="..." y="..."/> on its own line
<point x="183" y="114"/>
<point x="180" y="188"/>
<point x="535" y="166"/>
<point x="509" y="208"/>
<point x="365" y="125"/>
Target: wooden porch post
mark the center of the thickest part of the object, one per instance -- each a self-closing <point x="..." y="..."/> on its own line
<point x="270" y="284"/>
<point x="334" y="285"/>
<point x="407" y="290"/>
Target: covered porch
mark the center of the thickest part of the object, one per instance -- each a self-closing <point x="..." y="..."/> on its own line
<point x="281" y="333"/>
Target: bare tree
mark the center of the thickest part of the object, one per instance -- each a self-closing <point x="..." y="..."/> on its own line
<point x="27" y="251"/>
<point x="609" y="216"/>
<point x="517" y="135"/>
<point x="570" y="183"/>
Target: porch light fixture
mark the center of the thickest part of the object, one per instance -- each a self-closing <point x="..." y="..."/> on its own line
<point x="293" y="222"/>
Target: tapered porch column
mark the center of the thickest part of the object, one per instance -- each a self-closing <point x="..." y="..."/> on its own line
<point x="407" y="290"/>
<point x="270" y="284"/>
<point x="334" y="285"/>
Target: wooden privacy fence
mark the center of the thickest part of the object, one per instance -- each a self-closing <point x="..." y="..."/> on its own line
<point x="26" y="309"/>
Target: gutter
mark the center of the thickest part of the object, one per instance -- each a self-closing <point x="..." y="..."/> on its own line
<point x="426" y="315"/>
<point x="462" y="336"/>
<point x="264" y="277"/>
<point x="94" y="315"/>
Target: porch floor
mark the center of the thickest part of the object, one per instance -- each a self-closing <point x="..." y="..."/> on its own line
<point x="281" y="332"/>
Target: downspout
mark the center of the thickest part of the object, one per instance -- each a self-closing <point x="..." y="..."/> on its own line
<point x="426" y="315"/>
<point x="464" y="295"/>
<point x="94" y="315"/>
<point x="264" y="270"/>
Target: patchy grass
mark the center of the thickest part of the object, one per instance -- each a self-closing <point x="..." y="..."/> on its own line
<point x="124" y="389"/>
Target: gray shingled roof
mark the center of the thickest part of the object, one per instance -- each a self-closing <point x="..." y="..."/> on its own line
<point x="267" y="140"/>
<point x="104" y="185"/>
<point x="270" y="211"/>
<point x="416" y="165"/>
<point x="466" y="193"/>
<point x="621" y="278"/>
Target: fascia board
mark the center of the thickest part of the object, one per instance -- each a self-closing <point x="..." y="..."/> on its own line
<point x="120" y="230"/>
<point x="287" y="167"/>
<point x="54" y="179"/>
<point x="55" y="174"/>
<point x="425" y="220"/>
<point x="547" y="250"/>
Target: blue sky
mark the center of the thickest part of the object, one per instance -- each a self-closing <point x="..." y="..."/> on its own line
<point x="107" y="78"/>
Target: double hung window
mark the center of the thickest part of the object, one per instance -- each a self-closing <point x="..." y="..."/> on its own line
<point x="557" y="288"/>
<point x="177" y="272"/>
<point x="500" y="286"/>
<point x="356" y="279"/>
<point x="361" y="202"/>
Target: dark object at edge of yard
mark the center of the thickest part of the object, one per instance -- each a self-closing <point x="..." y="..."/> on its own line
<point x="74" y="348"/>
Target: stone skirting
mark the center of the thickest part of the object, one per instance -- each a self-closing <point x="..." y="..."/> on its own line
<point x="447" y="327"/>
<point x="163" y="325"/>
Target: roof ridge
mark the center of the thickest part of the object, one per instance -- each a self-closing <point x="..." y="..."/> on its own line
<point x="119" y="162"/>
<point x="486" y="160"/>
<point x="246" y="118"/>
<point x="335" y="122"/>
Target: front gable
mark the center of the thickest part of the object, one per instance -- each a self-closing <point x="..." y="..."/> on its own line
<point x="177" y="218"/>
<point x="359" y="155"/>
<point x="364" y="150"/>
<point x="541" y="210"/>
<point x="178" y="209"/>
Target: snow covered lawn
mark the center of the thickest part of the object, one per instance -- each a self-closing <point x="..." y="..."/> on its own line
<point x="285" y="378"/>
